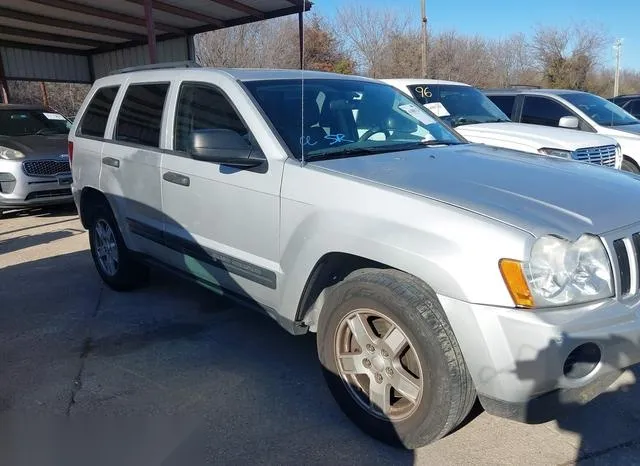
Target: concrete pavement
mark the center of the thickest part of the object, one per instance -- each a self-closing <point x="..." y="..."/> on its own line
<point x="184" y="377"/>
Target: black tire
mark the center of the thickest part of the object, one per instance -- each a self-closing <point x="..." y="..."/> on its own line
<point x="448" y="392"/>
<point x="129" y="273"/>
<point x="629" y="166"/>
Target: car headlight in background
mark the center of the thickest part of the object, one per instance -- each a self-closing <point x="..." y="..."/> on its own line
<point x="560" y="272"/>
<point x="565" y="154"/>
<point x="618" y="164"/>
<point x="10" y="154"/>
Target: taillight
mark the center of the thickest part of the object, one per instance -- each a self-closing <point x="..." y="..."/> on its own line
<point x="70" y="151"/>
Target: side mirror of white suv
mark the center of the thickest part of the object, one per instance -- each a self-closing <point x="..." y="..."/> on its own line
<point x="223" y="146"/>
<point x="570" y="122"/>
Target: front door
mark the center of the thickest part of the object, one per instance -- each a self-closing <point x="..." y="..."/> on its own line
<point x="221" y="223"/>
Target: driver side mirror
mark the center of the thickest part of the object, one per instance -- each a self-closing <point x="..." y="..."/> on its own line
<point x="569" y="122"/>
<point x="224" y="146"/>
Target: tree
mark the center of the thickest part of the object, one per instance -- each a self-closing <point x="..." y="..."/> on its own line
<point x="322" y="50"/>
<point x="567" y="57"/>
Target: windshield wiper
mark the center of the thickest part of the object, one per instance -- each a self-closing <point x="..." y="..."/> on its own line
<point x="47" y="131"/>
<point x="357" y="151"/>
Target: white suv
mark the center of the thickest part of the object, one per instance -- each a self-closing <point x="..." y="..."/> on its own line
<point x="476" y="118"/>
<point x="433" y="270"/>
<point x="576" y="110"/>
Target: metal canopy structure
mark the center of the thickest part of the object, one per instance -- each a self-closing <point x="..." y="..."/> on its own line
<point x="82" y="40"/>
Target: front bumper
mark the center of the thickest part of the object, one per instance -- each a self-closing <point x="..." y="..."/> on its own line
<point x="18" y="190"/>
<point x="519" y="359"/>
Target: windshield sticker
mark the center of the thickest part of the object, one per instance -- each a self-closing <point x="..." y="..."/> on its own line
<point x="424" y="92"/>
<point x="306" y="141"/>
<point x="416" y="113"/>
<point x="53" y="116"/>
<point x="437" y="108"/>
<point x="336" y="138"/>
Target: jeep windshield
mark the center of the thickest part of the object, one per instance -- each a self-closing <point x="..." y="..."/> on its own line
<point x="29" y="122"/>
<point x="600" y="110"/>
<point x="346" y="117"/>
<point x="458" y="105"/>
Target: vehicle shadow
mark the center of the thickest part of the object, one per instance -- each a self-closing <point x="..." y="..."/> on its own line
<point x="52" y="211"/>
<point x="600" y="424"/>
<point x="241" y="389"/>
<point x="27" y="241"/>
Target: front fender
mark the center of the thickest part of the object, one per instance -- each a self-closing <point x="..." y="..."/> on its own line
<point x="456" y="261"/>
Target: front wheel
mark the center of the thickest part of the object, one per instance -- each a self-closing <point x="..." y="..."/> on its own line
<point x="628" y="166"/>
<point x="115" y="263"/>
<point x="391" y="359"/>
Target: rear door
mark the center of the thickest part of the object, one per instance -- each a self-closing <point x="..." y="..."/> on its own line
<point x="131" y="165"/>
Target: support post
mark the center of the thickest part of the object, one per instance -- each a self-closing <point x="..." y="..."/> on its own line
<point x="424" y="37"/>
<point x="45" y="95"/>
<point x="4" y="87"/>
<point x="151" y="31"/>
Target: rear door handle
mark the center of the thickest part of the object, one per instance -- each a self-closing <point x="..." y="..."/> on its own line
<point x="176" y="178"/>
<point x="111" y="162"/>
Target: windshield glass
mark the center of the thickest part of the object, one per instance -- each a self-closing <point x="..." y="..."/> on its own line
<point x="458" y="105"/>
<point x="32" y="122"/>
<point x="346" y="117"/>
<point x="600" y="110"/>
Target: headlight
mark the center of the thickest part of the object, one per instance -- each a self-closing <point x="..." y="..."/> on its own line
<point x="565" y="154"/>
<point x="560" y="273"/>
<point x="10" y="154"/>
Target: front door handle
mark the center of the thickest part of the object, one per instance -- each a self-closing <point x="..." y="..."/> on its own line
<point x="176" y="178"/>
<point x="111" y="162"/>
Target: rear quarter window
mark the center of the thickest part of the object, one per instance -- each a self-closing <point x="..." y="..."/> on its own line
<point x="94" y="121"/>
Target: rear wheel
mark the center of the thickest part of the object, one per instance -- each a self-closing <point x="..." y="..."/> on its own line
<point x="391" y="359"/>
<point x="115" y="263"/>
<point x="629" y="166"/>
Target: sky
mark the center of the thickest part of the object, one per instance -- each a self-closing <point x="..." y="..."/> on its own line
<point x="500" y="18"/>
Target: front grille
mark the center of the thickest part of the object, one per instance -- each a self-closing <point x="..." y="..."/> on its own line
<point x="48" y="194"/>
<point x="602" y="155"/>
<point x="46" y="167"/>
<point x="627" y="255"/>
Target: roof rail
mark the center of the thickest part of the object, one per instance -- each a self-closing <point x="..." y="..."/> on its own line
<point x="158" y="66"/>
<point x="523" y="86"/>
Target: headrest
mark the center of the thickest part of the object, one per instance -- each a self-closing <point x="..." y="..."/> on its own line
<point x="402" y="124"/>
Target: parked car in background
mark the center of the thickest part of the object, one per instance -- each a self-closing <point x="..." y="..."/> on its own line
<point x="631" y="103"/>
<point x="34" y="164"/>
<point x="433" y="270"/>
<point x="575" y="110"/>
<point x="476" y="118"/>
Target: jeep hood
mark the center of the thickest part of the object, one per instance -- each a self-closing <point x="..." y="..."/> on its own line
<point x="537" y="194"/>
<point x="34" y="146"/>
<point x="535" y="136"/>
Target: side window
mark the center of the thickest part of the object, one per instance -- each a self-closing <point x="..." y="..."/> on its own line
<point x="140" y="116"/>
<point x="201" y="106"/>
<point x="633" y="107"/>
<point x="504" y="103"/>
<point x="542" y="111"/>
<point x="94" y="121"/>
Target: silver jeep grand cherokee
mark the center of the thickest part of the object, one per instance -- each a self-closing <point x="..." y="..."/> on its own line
<point x="34" y="164"/>
<point x="433" y="271"/>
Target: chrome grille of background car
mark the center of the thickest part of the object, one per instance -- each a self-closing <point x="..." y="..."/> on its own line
<point x="602" y="155"/>
<point x="46" y="167"/>
<point x="627" y="254"/>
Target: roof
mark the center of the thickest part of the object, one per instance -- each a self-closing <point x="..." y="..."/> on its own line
<point x="533" y="91"/>
<point x="241" y="74"/>
<point x="88" y="26"/>
<point x="415" y="81"/>
<point x="21" y="107"/>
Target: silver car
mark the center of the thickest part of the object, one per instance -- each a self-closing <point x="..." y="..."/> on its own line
<point x="34" y="164"/>
<point x="433" y="271"/>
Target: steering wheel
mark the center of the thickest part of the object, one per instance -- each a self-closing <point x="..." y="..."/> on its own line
<point x="372" y="131"/>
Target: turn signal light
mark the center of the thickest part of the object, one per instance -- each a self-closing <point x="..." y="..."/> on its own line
<point x="516" y="282"/>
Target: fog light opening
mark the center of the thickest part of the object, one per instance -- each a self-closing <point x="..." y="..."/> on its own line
<point x="582" y="361"/>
